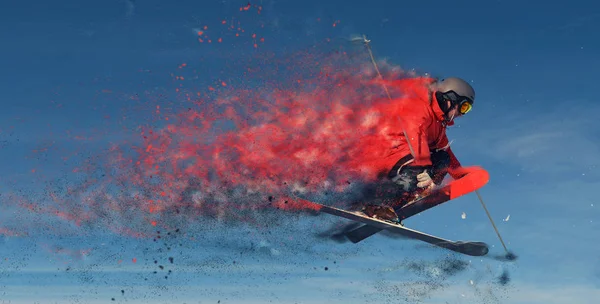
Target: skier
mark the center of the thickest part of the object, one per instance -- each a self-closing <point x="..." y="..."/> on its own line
<point x="425" y="153"/>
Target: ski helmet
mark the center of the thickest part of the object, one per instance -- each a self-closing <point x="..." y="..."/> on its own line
<point x="457" y="91"/>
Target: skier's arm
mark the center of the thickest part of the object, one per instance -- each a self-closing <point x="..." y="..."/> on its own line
<point x="466" y="179"/>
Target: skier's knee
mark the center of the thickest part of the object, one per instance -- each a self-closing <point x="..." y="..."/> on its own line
<point x="440" y="162"/>
<point x="440" y="159"/>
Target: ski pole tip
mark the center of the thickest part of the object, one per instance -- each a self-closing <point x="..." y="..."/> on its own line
<point x="510" y="256"/>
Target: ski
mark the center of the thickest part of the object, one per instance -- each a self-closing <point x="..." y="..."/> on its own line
<point x="374" y="225"/>
<point x="412" y="208"/>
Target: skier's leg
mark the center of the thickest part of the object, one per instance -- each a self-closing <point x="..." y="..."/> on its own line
<point x="440" y="162"/>
<point x="393" y="190"/>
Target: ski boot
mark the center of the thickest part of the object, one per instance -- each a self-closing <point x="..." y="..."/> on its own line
<point x="384" y="213"/>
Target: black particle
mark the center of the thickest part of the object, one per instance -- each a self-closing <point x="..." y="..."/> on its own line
<point x="171" y="260"/>
<point x="155" y="272"/>
<point x="155" y="262"/>
<point x="504" y="278"/>
<point x="270" y="198"/>
<point x="122" y="291"/>
<point x="326" y="268"/>
<point x="177" y="230"/>
<point x="166" y="277"/>
<point x="161" y="267"/>
<point x="112" y="299"/>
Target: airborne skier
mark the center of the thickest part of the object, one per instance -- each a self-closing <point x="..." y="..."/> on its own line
<point x="424" y="157"/>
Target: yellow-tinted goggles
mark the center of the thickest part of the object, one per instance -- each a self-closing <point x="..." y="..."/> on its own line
<point x="465" y="104"/>
<point x="465" y="107"/>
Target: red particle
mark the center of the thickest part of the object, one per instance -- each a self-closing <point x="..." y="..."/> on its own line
<point x="163" y="193"/>
<point x="205" y="27"/>
<point x="153" y="223"/>
<point x="224" y="22"/>
<point x="262" y="39"/>
<point x="223" y="83"/>
<point x="134" y="260"/>
<point x="255" y="45"/>
<point x="253" y="36"/>
<point x="148" y="148"/>
<point x="200" y="33"/>
<point x="220" y="40"/>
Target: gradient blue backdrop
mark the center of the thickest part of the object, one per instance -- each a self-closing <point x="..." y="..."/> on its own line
<point x="534" y="127"/>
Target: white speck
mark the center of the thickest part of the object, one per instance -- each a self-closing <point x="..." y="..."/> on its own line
<point x="507" y="218"/>
<point x="463" y="216"/>
<point x="582" y="48"/>
<point x="471" y="281"/>
<point x="592" y="205"/>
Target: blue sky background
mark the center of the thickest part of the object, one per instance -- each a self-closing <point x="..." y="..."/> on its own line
<point x="534" y="128"/>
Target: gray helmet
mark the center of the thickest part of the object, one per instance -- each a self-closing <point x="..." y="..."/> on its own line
<point x="457" y="85"/>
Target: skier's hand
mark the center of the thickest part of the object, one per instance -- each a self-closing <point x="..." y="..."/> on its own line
<point x="424" y="180"/>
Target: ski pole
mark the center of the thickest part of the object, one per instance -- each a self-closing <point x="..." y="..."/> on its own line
<point x="366" y="42"/>
<point x="508" y="254"/>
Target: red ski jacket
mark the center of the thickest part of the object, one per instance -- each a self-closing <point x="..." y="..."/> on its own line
<point x="416" y="117"/>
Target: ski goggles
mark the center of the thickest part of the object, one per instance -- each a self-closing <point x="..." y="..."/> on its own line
<point x="465" y="104"/>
